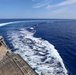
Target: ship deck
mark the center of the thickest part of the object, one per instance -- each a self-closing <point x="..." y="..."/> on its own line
<point x="13" y="64"/>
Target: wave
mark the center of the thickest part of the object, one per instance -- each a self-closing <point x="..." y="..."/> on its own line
<point x="40" y="54"/>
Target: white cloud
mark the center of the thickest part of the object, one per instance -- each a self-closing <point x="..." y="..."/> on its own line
<point x="41" y="4"/>
<point x="62" y="13"/>
<point x="59" y="11"/>
<point x="66" y="2"/>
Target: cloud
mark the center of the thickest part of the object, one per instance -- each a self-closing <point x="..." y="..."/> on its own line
<point x="58" y="11"/>
<point x="41" y="4"/>
<point x="64" y="9"/>
<point x="62" y="13"/>
<point x="66" y="2"/>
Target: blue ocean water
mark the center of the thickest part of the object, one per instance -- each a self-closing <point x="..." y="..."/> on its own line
<point x="60" y="33"/>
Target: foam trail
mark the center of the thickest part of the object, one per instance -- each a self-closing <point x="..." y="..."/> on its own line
<point x="39" y="53"/>
<point x="3" y="24"/>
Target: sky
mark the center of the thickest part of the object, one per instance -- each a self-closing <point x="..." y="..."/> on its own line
<point x="53" y="9"/>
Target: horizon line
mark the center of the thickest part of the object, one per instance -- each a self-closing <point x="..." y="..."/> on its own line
<point x="38" y="18"/>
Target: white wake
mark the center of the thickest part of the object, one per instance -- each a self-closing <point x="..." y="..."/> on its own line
<point x="40" y="54"/>
<point x="7" y="23"/>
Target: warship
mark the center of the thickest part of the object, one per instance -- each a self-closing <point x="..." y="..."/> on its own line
<point x="12" y="64"/>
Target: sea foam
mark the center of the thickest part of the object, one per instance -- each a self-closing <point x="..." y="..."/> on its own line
<point x="7" y="23"/>
<point x="40" y="54"/>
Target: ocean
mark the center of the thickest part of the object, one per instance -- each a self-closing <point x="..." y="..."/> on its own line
<point x="48" y="45"/>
